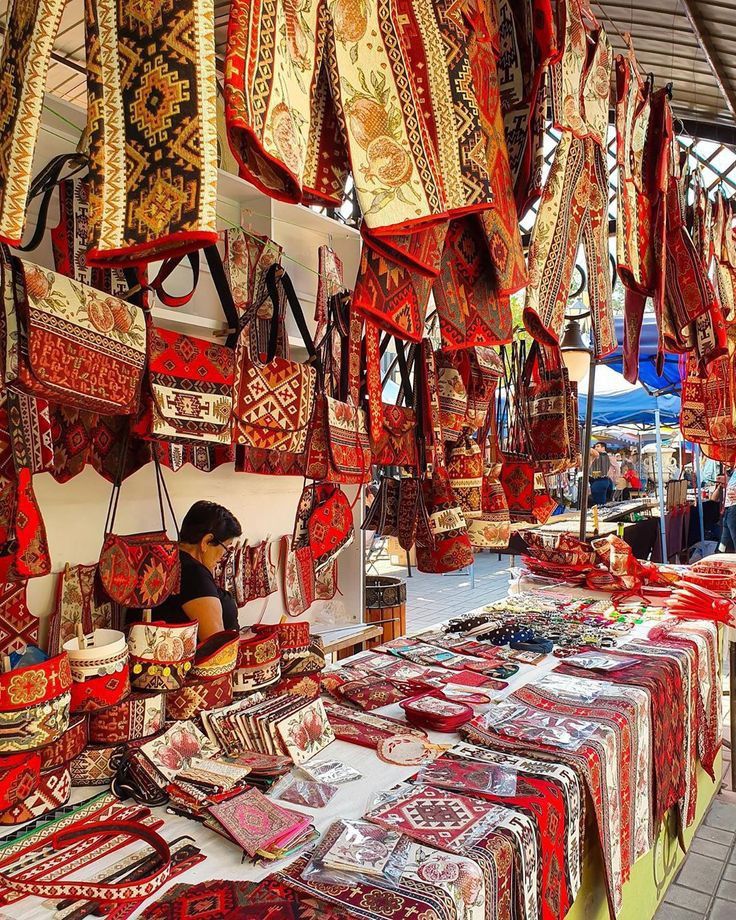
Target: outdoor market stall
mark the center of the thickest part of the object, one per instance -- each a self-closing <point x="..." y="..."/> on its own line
<point x="318" y="263"/>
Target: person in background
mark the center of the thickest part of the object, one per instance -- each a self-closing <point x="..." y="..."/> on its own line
<point x="601" y="484"/>
<point x="614" y="468"/>
<point x="632" y="479"/>
<point x="728" y="522"/>
<point x="206" y="535"/>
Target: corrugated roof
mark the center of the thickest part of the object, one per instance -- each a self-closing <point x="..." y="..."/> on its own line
<point x="667" y="36"/>
<point x="664" y="32"/>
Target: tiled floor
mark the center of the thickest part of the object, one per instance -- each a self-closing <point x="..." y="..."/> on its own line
<point x="433" y="598"/>
<point x="705" y="886"/>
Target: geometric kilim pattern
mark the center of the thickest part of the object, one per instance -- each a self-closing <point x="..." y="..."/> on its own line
<point x="430" y="815"/>
<point x="18" y="626"/>
<point x="153" y="141"/>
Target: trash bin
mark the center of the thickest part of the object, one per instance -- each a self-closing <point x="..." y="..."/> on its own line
<point x="385" y="600"/>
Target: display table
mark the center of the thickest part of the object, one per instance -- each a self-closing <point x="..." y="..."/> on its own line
<point x="649" y="879"/>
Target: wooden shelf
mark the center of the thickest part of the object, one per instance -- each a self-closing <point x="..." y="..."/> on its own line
<point x="63" y="124"/>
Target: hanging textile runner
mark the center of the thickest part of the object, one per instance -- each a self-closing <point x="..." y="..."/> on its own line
<point x="153" y="140"/>
<point x="30" y="32"/>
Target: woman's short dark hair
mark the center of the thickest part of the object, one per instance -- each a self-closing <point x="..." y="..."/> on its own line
<point x="209" y="517"/>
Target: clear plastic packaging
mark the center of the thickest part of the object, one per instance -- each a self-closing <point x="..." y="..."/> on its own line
<point x="361" y="852"/>
<point x="526" y="724"/>
<point x="598" y="661"/>
<point x="303" y="792"/>
<point x="332" y="772"/>
<point x="470" y="777"/>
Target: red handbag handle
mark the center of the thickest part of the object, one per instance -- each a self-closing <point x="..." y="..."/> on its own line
<point x="89" y="891"/>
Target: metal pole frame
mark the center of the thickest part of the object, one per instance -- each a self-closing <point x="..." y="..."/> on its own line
<point x="586" y="451"/>
<point x="699" y="490"/>
<point x="660" y="477"/>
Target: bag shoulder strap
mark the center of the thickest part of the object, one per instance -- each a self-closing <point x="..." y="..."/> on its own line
<point x="274" y="275"/>
<point x="224" y="291"/>
<point x="44" y="185"/>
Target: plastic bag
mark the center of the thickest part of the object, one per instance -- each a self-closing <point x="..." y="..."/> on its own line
<point x="469" y="777"/>
<point x="303" y="792"/>
<point x="332" y="772"/>
<point x="593" y="661"/>
<point x="362" y="852"/>
<point x="519" y="721"/>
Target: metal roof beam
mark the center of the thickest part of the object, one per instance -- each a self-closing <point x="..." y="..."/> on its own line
<point x="711" y="55"/>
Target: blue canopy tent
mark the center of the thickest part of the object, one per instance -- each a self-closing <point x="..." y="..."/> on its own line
<point x="636" y="407"/>
<point x="670" y="380"/>
<point x="615" y="401"/>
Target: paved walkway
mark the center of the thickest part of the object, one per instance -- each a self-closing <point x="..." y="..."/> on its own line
<point x="430" y="599"/>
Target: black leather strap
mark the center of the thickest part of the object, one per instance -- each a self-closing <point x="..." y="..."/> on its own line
<point x="217" y="270"/>
<point x="274" y="275"/>
<point x="44" y="186"/>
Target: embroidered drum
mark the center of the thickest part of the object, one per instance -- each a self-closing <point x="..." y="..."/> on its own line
<point x="99" y="670"/>
<point x="161" y="654"/>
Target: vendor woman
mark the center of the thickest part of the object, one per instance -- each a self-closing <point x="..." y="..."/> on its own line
<point x="207" y="533"/>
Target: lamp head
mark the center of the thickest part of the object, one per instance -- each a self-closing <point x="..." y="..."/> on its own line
<point x="575" y="353"/>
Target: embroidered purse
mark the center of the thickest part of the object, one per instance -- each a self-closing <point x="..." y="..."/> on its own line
<point x="547" y="402"/>
<point x="78" y="347"/>
<point x="330" y="527"/>
<point x="453" y="397"/>
<point x="139" y="570"/>
<point x="274" y="398"/>
<point x="339" y="446"/>
<point x="190" y="390"/>
<point x="492" y="530"/>
<point x="161" y="654"/>
<point x="392" y="427"/>
<point x="450" y="548"/>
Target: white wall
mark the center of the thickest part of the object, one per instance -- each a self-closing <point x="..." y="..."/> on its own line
<point x="74" y="512"/>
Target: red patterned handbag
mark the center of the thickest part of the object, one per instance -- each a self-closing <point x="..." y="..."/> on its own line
<point x="78" y="346"/>
<point x="275" y="396"/>
<point x="140" y="570"/>
<point x="339" y="447"/>
<point x="190" y="390"/>
<point x="450" y="548"/>
<point x="330" y="526"/>
<point x="392" y="427"/>
<point x="546" y="402"/>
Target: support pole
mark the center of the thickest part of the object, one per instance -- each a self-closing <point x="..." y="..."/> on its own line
<point x="699" y="493"/>
<point x="586" y="452"/>
<point x="731" y="701"/>
<point x="660" y="477"/>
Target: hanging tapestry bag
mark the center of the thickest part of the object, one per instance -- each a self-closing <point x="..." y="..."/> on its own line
<point x="78" y="346"/>
<point x="275" y="396"/>
<point x="140" y="570"/>
<point x="392" y="426"/>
